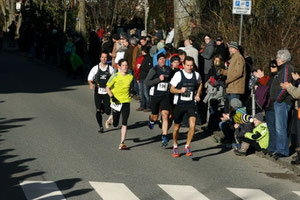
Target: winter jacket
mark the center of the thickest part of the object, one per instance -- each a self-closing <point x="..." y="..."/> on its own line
<point x="260" y="134"/>
<point x="223" y="51"/>
<point x="193" y="52"/>
<point x="236" y="75"/>
<point x="137" y="69"/>
<point x="145" y="67"/>
<point x="243" y="129"/>
<point x="284" y="75"/>
<point x="207" y="54"/>
<point x="294" y="91"/>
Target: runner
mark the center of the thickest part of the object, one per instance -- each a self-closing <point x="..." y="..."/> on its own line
<point x="186" y="85"/>
<point x="119" y="88"/>
<point x="97" y="80"/>
<point x="158" y="79"/>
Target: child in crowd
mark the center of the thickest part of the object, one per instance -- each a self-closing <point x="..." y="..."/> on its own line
<point x="227" y="125"/>
<point x="243" y="124"/>
<point x="258" y="138"/>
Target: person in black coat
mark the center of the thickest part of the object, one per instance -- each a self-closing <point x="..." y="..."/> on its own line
<point x="144" y="69"/>
<point x="221" y="49"/>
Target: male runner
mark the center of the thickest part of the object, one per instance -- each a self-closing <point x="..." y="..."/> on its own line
<point x="186" y="85"/>
<point x="158" y="80"/>
<point x="97" y="80"/>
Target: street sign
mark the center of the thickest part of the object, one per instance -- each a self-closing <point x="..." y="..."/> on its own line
<point x="241" y="7"/>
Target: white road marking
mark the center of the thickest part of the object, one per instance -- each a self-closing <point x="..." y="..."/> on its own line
<point x="297" y="192"/>
<point x="183" y="192"/>
<point x="250" y="194"/>
<point x="113" y="191"/>
<point x="38" y="190"/>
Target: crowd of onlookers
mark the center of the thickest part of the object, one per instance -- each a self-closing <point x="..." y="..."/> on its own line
<point x="270" y="125"/>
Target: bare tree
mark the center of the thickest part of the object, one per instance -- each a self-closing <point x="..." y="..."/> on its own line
<point x="81" y="17"/>
<point x="184" y="11"/>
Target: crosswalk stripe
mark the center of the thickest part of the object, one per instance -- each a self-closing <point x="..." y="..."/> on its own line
<point x="297" y="192"/>
<point x="250" y="194"/>
<point x="38" y="190"/>
<point x="113" y="191"/>
<point x="183" y="192"/>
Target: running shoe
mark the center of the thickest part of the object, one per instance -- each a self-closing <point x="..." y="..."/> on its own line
<point x="123" y="146"/>
<point x="164" y="142"/>
<point x="188" y="151"/>
<point x="151" y="123"/>
<point x="175" y="152"/>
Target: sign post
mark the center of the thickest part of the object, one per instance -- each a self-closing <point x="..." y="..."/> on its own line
<point x="241" y="7"/>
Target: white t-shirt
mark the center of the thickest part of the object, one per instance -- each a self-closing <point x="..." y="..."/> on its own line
<point x="177" y="79"/>
<point x="94" y="71"/>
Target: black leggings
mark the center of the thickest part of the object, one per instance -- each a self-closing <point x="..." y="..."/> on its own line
<point x="125" y="110"/>
<point x="102" y="103"/>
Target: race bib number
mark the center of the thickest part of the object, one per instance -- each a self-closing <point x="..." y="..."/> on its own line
<point x="162" y="87"/>
<point x="102" y="91"/>
<point x="116" y="107"/>
<point x="187" y="96"/>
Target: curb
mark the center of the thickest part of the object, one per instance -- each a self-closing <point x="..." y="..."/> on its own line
<point x="283" y="162"/>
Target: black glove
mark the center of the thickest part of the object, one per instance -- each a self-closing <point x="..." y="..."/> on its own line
<point x="114" y="99"/>
<point x="132" y="92"/>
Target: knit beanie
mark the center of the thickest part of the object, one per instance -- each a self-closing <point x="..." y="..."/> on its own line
<point x="161" y="55"/>
<point x="259" y="116"/>
<point x="175" y="58"/>
<point x="246" y="118"/>
<point x="233" y="45"/>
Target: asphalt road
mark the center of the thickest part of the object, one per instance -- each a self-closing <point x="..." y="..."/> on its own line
<point x="50" y="149"/>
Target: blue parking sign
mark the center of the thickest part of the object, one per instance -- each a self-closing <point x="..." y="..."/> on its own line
<point x="247" y="4"/>
<point x="237" y="3"/>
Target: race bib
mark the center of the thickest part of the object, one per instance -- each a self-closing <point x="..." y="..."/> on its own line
<point x="187" y="96"/>
<point x="162" y="87"/>
<point x="151" y="91"/>
<point x="102" y="91"/>
<point x="116" y="107"/>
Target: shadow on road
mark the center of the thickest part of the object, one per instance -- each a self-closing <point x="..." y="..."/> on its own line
<point x="222" y="148"/>
<point x="18" y="75"/>
<point x="138" y="125"/>
<point x="13" y="169"/>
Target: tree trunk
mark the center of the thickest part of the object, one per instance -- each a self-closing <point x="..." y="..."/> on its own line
<point x="114" y="17"/>
<point x="12" y="11"/>
<point x="81" y="25"/>
<point x="3" y="10"/>
<point x="146" y="8"/>
<point x="184" y="11"/>
<point x="65" y="16"/>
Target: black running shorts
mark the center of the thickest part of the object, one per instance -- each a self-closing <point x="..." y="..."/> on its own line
<point x="181" y="110"/>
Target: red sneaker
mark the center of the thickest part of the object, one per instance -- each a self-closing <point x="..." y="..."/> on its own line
<point x="123" y="147"/>
<point x="175" y="152"/>
<point x="188" y="151"/>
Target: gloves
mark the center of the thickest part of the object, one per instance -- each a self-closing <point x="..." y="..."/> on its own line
<point x="132" y="92"/>
<point x="115" y="100"/>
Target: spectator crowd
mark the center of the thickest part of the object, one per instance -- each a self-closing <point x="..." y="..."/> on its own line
<point x="247" y="108"/>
